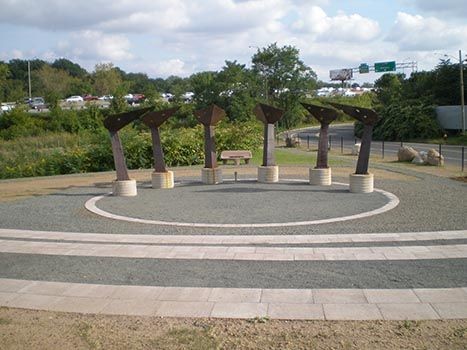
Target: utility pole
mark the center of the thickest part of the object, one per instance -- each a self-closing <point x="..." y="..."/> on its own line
<point x="29" y="79"/>
<point x="461" y="68"/>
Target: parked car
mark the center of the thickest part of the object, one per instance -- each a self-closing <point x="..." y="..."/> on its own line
<point x="90" y="98"/>
<point x="7" y="106"/>
<point x="106" y="98"/>
<point x="74" y="99"/>
<point x="37" y="103"/>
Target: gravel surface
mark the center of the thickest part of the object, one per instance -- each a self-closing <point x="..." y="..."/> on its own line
<point x="444" y="273"/>
<point x="427" y="203"/>
<point x="243" y="203"/>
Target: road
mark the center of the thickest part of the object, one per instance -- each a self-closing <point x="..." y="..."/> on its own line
<point x="345" y="133"/>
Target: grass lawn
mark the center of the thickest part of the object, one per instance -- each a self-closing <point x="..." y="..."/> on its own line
<point x="294" y="156"/>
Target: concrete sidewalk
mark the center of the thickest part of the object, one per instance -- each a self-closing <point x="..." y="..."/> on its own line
<point x="309" y="304"/>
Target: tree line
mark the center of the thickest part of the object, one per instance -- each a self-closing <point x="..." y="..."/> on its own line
<point x="277" y="76"/>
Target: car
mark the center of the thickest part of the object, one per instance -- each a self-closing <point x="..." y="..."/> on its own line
<point x="89" y="98"/>
<point x="74" y="99"/>
<point x="106" y="98"/>
<point x="7" y="106"/>
<point x="37" y="103"/>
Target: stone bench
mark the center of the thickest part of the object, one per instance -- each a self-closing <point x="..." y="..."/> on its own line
<point x="236" y="156"/>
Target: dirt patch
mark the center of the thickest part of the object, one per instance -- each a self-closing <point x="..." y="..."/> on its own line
<point x="28" y="329"/>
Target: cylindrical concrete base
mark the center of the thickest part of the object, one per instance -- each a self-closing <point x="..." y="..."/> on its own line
<point x="361" y="183"/>
<point x="126" y="188"/>
<point x="211" y="176"/>
<point x="162" y="180"/>
<point x="320" y="177"/>
<point x="268" y="174"/>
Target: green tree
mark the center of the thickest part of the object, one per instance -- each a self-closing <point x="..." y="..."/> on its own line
<point x="206" y="88"/>
<point x="389" y="88"/>
<point x="4" y="75"/>
<point x="71" y="68"/>
<point x="286" y="79"/>
<point x="238" y="89"/>
<point x="106" y="78"/>
<point x="54" y="83"/>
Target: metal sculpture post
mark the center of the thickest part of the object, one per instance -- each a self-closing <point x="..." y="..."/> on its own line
<point x="268" y="172"/>
<point x="161" y="177"/>
<point x="123" y="185"/>
<point x="321" y="174"/>
<point x="209" y="117"/>
<point x="362" y="180"/>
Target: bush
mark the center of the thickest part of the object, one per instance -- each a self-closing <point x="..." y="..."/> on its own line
<point x="405" y="122"/>
<point x="64" y="153"/>
<point x="19" y="123"/>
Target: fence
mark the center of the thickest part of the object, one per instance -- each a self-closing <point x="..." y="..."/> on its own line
<point x="454" y="155"/>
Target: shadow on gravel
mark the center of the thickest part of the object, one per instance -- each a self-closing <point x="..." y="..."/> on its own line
<point x="258" y="190"/>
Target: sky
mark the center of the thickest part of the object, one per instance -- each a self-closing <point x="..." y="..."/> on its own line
<point x="182" y="37"/>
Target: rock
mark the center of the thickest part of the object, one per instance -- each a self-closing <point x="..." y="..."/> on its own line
<point x="406" y="154"/>
<point x="434" y="158"/>
<point x="356" y="149"/>
<point x="418" y="160"/>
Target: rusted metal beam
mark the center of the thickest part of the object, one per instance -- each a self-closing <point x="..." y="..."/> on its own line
<point x="209" y="117"/>
<point x="369" y="118"/>
<point x="268" y="115"/>
<point x="325" y="116"/>
<point x="113" y="123"/>
<point x="154" y="120"/>
<point x="119" y="158"/>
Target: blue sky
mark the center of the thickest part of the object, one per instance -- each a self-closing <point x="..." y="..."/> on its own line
<point x="181" y="37"/>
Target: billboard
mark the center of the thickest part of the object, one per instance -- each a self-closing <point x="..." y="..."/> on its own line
<point x="341" y="74"/>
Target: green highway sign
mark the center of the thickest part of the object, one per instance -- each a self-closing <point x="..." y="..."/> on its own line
<point x="364" y="68"/>
<point x="385" y="66"/>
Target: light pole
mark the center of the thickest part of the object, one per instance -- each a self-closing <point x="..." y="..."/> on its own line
<point x="461" y="69"/>
<point x="461" y="78"/>
<point x="29" y="79"/>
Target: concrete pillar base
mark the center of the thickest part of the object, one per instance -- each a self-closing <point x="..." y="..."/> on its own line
<point x="126" y="188"/>
<point x="268" y="174"/>
<point x="162" y="180"/>
<point x="211" y="176"/>
<point x="361" y="183"/>
<point x="320" y="177"/>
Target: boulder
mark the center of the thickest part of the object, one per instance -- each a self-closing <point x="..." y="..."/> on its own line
<point x="434" y="158"/>
<point x="418" y="160"/>
<point x="406" y="154"/>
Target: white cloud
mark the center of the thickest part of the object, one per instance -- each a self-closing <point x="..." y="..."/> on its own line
<point x="418" y="33"/>
<point x="349" y="28"/>
<point x="166" y="68"/>
<point x="95" y="45"/>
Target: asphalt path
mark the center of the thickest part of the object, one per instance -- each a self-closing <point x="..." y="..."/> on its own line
<point x="345" y="132"/>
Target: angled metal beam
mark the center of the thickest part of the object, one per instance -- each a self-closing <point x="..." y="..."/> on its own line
<point x="209" y="117"/>
<point x="369" y="118"/>
<point x="154" y="120"/>
<point x="268" y="115"/>
<point x="113" y="123"/>
<point x="325" y="116"/>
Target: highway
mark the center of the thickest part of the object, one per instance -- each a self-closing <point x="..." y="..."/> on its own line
<point x="345" y="133"/>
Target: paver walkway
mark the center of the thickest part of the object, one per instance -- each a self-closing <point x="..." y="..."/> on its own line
<point x="330" y="304"/>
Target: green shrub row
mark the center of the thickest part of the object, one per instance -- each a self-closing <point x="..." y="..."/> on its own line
<point x="63" y="153"/>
